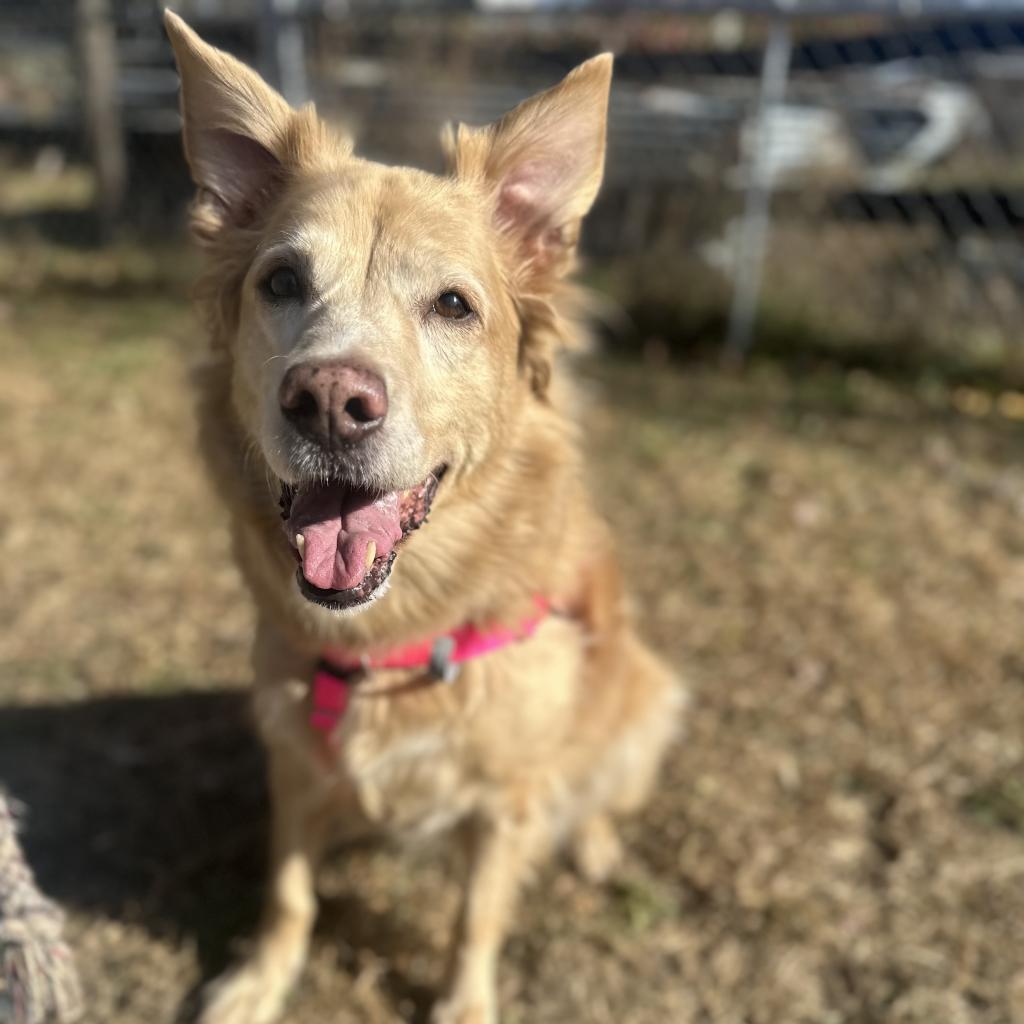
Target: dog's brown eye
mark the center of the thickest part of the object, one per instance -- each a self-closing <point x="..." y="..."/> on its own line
<point x="282" y="284"/>
<point x="452" y="305"/>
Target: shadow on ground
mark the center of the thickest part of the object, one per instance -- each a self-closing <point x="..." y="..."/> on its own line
<point x="153" y="810"/>
<point x="144" y="808"/>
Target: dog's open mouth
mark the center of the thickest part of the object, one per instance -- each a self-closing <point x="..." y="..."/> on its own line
<point x="345" y="538"/>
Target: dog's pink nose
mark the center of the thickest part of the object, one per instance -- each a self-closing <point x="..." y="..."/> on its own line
<point x="333" y="403"/>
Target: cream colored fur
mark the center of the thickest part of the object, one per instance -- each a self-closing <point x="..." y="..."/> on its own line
<point x="541" y="742"/>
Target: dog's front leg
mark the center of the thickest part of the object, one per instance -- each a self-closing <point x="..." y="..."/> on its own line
<point x="254" y="992"/>
<point x="501" y="852"/>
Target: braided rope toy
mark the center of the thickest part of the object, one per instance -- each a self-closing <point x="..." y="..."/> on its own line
<point x="38" y="981"/>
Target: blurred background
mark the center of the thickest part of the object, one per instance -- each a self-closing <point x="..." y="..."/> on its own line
<point x="807" y="416"/>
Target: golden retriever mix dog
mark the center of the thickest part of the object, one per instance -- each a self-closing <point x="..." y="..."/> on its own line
<point x="385" y="348"/>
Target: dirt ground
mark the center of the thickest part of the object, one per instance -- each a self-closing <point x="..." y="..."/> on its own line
<point x="835" y="563"/>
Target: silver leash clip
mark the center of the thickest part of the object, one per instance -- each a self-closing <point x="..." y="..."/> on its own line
<point x="441" y="666"/>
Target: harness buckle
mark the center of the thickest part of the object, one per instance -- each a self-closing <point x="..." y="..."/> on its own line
<point x="441" y="666"/>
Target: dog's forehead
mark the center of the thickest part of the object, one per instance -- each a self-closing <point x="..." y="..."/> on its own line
<point x="366" y="206"/>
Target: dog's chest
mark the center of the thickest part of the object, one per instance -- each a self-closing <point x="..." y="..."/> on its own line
<point x="406" y="780"/>
<point x="413" y="758"/>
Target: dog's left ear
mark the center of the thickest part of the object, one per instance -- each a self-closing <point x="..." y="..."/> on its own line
<point x="542" y="164"/>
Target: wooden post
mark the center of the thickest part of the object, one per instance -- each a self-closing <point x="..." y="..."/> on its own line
<point x="101" y="107"/>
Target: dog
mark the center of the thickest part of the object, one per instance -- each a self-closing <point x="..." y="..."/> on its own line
<point x="443" y="644"/>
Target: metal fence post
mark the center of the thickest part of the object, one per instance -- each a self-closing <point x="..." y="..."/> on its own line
<point x="757" y="206"/>
<point x="284" y="49"/>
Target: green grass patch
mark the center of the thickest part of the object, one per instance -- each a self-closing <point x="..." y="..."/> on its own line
<point x="999" y="805"/>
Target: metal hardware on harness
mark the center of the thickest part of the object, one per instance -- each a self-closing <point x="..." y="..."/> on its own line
<point x="441" y="666"/>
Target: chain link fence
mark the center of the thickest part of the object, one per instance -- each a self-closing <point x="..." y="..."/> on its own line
<point x="865" y="186"/>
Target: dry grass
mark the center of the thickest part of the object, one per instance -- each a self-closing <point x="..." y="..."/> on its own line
<point x="837" y="564"/>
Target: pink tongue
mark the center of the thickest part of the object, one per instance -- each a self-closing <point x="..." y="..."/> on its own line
<point x="338" y="525"/>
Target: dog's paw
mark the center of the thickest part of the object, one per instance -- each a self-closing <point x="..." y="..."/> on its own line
<point x="596" y="850"/>
<point x="247" y="994"/>
<point x="460" y="1011"/>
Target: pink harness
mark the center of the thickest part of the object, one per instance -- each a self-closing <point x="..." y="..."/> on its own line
<point x="441" y="656"/>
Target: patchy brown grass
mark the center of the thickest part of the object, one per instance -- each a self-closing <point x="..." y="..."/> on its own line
<point x="836" y="563"/>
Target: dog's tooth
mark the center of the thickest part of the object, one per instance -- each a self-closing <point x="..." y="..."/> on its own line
<point x="371" y="554"/>
<point x="300" y="544"/>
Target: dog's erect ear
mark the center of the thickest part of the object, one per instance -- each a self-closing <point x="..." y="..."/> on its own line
<point x="544" y="163"/>
<point x="236" y="130"/>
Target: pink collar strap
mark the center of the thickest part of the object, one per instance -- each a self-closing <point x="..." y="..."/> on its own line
<point x="441" y="656"/>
